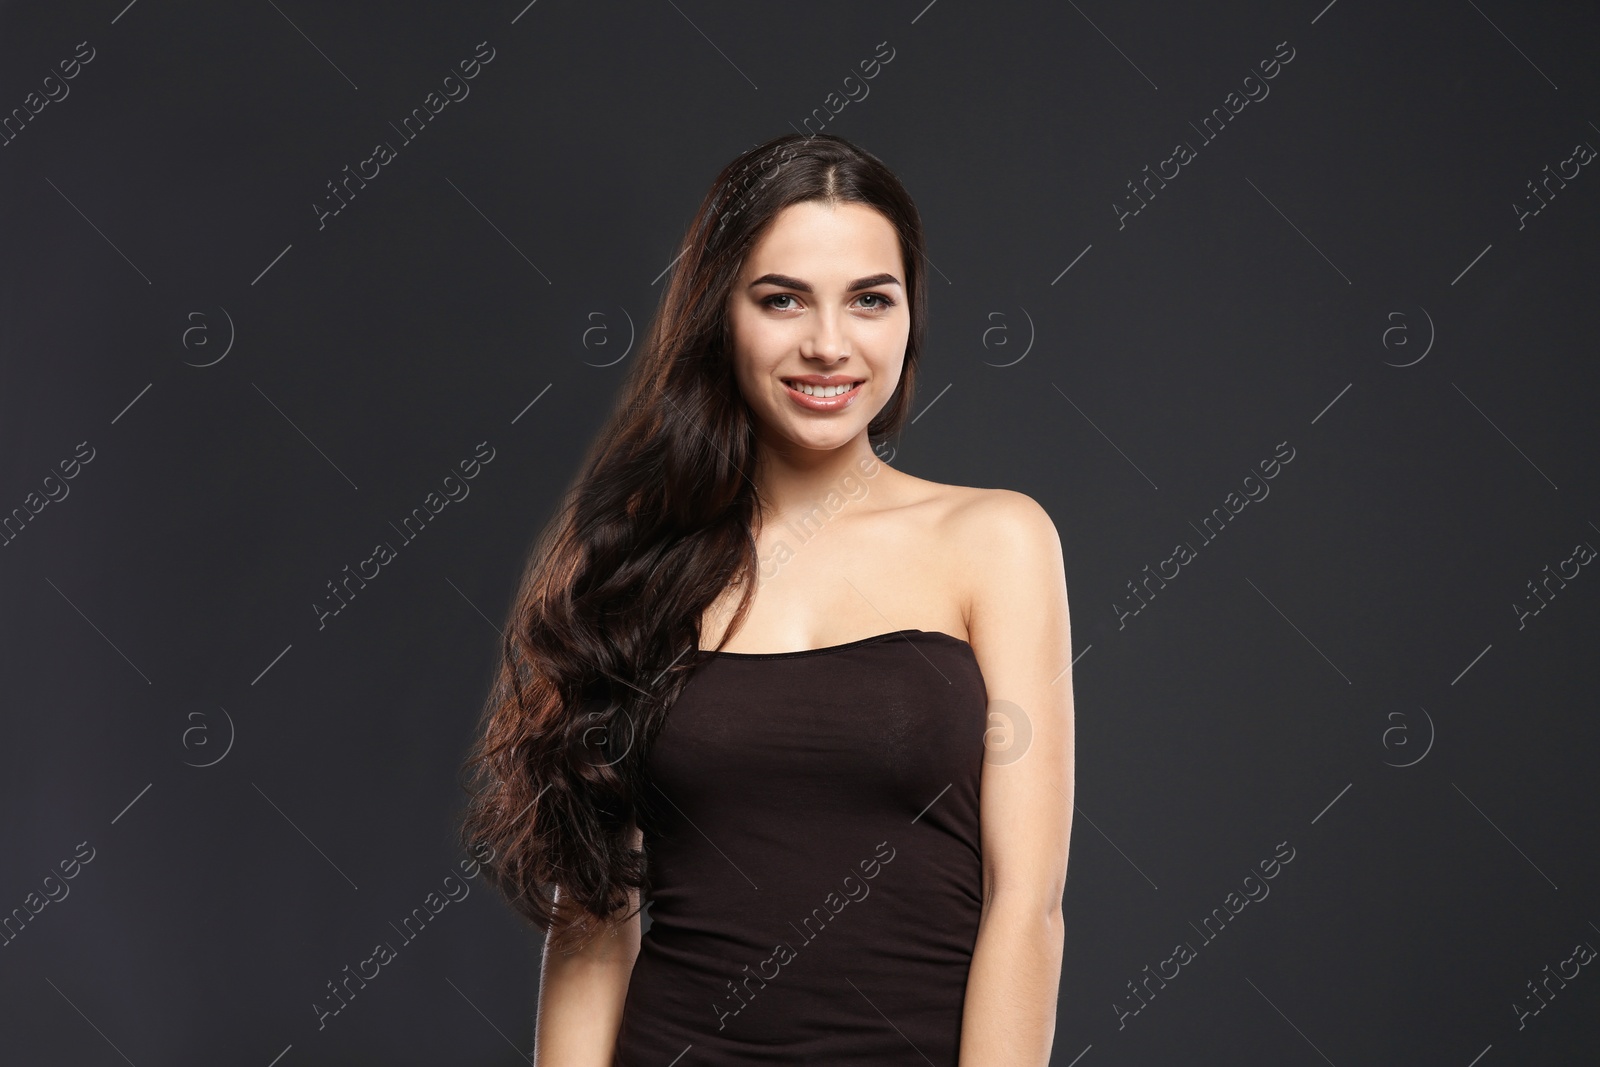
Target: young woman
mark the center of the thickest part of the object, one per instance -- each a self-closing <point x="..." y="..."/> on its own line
<point x="813" y="711"/>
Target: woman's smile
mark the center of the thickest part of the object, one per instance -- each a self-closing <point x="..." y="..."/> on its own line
<point x="819" y="392"/>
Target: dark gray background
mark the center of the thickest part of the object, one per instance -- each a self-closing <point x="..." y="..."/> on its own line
<point x="1360" y="617"/>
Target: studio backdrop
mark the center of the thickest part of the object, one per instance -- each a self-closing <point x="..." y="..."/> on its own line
<point x="1284" y="312"/>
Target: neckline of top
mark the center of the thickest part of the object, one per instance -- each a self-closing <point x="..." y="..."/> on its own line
<point x="837" y="648"/>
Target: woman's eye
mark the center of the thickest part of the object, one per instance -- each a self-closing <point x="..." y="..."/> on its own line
<point x="883" y="302"/>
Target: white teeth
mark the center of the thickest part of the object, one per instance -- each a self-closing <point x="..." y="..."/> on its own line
<point x="822" y="391"/>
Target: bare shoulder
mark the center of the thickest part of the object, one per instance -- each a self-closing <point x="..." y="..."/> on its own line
<point x="964" y="510"/>
<point x="985" y="524"/>
<point x="987" y="512"/>
<point x="1006" y="548"/>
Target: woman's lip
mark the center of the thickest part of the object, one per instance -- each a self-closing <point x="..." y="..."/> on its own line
<point x="817" y="403"/>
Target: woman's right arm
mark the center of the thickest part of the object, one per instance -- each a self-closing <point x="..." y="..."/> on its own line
<point x="581" y="995"/>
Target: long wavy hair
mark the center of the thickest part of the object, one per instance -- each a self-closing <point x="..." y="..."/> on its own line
<point x="659" y="522"/>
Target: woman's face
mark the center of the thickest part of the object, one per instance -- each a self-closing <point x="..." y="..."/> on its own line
<point x="821" y="299"/>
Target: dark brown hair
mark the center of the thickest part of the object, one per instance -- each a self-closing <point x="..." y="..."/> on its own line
<point x="659" y="521"/>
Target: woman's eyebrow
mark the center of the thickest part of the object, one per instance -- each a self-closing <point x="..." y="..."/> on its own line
<point x="795" y="283"/>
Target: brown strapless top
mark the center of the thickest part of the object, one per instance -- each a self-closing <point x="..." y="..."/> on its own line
<point x="818" y="875"/>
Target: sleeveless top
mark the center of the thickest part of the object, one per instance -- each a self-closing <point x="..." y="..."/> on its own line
<point x="818" y="876"/>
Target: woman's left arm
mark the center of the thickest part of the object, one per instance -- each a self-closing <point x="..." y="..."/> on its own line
<point x="1020" y="632"/>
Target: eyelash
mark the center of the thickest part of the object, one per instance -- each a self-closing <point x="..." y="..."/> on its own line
<point x="884" y="302"/>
